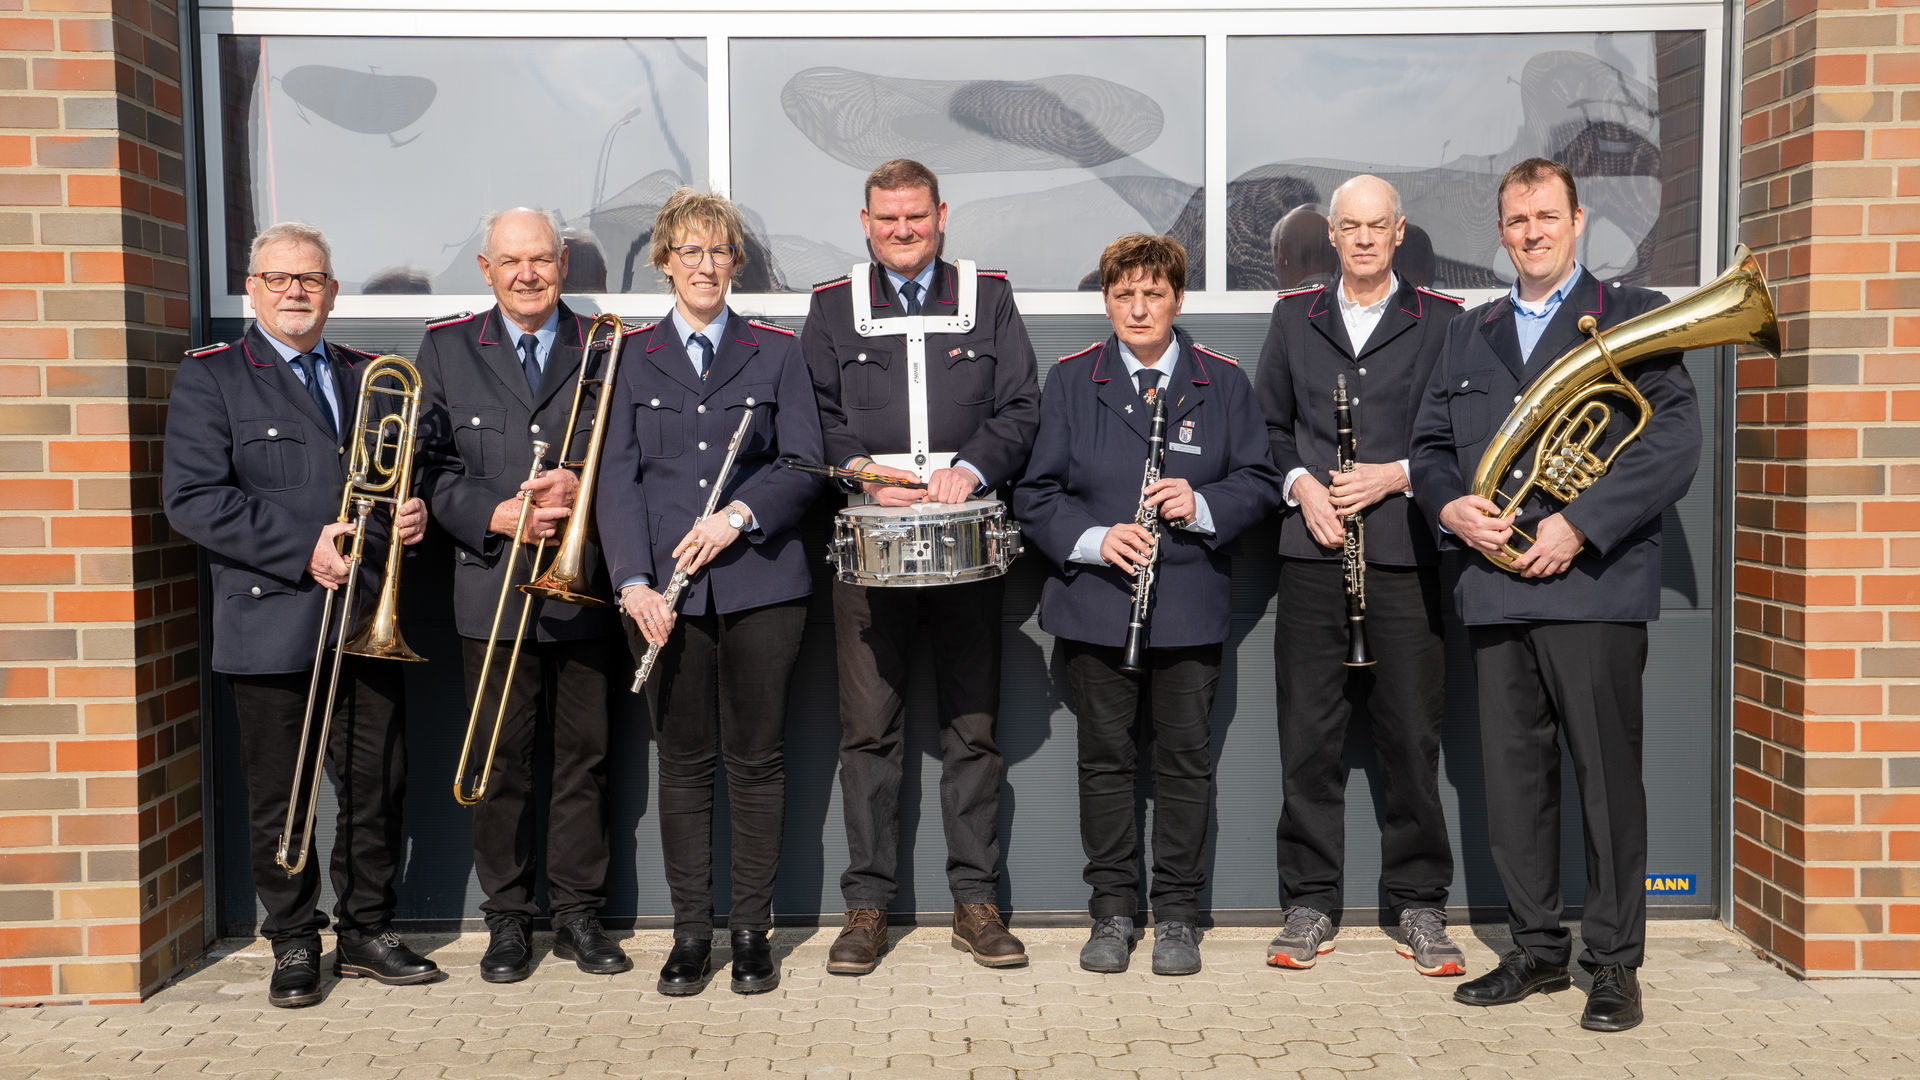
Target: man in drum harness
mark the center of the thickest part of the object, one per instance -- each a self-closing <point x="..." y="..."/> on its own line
<point x="923" y="370"/>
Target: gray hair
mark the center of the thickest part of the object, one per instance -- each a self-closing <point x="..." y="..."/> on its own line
<point x="289" y="232"/>
<point x="1333" y="204"/>
<point x="492" y="222"/>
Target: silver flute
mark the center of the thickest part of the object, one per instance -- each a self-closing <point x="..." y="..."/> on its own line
<point x="678" y="582"/>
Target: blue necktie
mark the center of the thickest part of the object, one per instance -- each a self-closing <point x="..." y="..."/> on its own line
<point x="910" y="296"/>
<point x="1149" y="381"/>
<point x="530" y="360"/>
<point x="705" y="346"/>
<point x="315" y="370"/>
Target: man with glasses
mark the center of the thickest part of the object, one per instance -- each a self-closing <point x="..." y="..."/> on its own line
<point x="256" y="458"/>
<point x="497" y="383"/>
<point x="957" y="410"/>
<point x="1382" y="334"/>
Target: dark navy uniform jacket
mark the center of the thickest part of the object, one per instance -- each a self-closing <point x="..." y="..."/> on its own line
<point x="1087" y="464"/>
<point x="1306" y="350"/>
<point x="477" y="427"/>
<point x="983" y="396"/>
<point x="666" y="437"/>
<point x="1475" y="385"/>
<point x="252" y="475"/>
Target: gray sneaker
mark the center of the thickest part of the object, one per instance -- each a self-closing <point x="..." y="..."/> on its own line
<point x="1428" y="945"/>
<point x="1305" y="934"/>
<point x="1106" y="951"/>
<point x="1176" y="948"/>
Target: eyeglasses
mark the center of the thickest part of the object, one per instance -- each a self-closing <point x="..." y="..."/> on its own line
<point x="692" y="254"/>
<point x="276" y="281"/>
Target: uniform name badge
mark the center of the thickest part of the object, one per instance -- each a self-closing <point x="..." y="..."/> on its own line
<point x="1185" y="445"/>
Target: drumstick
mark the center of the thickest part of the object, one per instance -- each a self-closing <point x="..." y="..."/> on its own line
<point x="837" y="473"/>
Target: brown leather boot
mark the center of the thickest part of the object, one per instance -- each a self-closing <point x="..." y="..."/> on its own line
<point x="857" y="950"/>
<point x="977" y="929"/>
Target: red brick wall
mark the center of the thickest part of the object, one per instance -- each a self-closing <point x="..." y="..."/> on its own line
<point x="100" y="816"/>
<point x="1827" y="543"/>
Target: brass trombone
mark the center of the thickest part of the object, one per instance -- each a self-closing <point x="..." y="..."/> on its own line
<point x="565" y="579"/>
<point x="1732" y="309"/>
<point x="380" y="470"/>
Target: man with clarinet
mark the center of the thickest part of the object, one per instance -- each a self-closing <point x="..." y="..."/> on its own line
<point x="1146" y="404"/>
<point x="1359" y="591"/>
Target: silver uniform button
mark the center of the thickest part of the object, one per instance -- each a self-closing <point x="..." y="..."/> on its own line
<point x="703" y="446"/>
<point x="1463" y="384"/>
<point x="273" y="433"/>
<point x="1516" y="399"/>
<point x="1363" y="371"/>
<point x="475" y="421"/>
<point x="703" y="481"/>
<point x="1356" y="399"/>
<point x="534" y="428"/>
<point x="655" y="403"/>
<point x="969" y="354"/>
<point x="862" y="358"/>
<point x="749" y="401"/>
<point x="255" y="590"/>
<point x="700" y="408"/>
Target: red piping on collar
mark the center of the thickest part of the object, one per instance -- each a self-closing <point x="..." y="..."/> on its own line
<point x="653" y="337"/>
<point x="1494" y="310"/>
<point x="1097" y="377"/>
<point x="1419" y="305"/>
<point x="486" y="327"/>
<point x="1314" y="308"/>
<point x="1200" y="366"/>
<point x="248" y="349"/>
<point x="953" y="276"/>
<point x="748" y="328"/>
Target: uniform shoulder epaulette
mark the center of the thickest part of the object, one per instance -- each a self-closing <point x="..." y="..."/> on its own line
<point x="208" y="350"/>
<point x="449" y="320"/>
<point x="770" y="326"/>
<point x="1217" y="355"/>
<point x="1302" y="291"/>
<point x="361" y="353"/>
<point x="841" y="280"/>
<point x="636" y="328"/>
<point x="1440" y="295"/>
<point x="983" y="272"/>
<point x="1082" y="352"/>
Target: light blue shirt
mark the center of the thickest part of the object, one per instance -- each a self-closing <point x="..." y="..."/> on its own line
<point x="288" y="352"/>
<point x="1087" y="549"/>
<point x="543" y="337"/>
<point x="715" y="331"/>
<point x="1531" y="319"/>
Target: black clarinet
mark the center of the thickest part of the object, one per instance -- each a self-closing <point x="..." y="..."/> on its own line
<point x="1353" y="550"/>
<point x="1133" y="658"/>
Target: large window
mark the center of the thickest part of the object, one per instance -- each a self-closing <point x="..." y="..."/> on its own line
<point x="1442" y="118"/>
<point x="398" y="147"/>
<point x="1046" y="148"/>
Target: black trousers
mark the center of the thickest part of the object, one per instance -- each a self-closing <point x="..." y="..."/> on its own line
<point x="367" y="752"/>
<point x="874" y="631"/>
<point x="1402" y="695"/>
<point x="1538" y="681"/>
<point x="719" y="692"/>
<point x="1179" y="687"/>
<point x="562" y="686"/>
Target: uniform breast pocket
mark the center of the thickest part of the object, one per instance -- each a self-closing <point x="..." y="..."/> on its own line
<point x="480" y="435"/>
<point x="866" y="381"/>
<point x="971" y="366"/>
<point x="661" y="425"/>
<point x="1470" y="407"/>
<point x="273" y="453"/>
<point x="760" y="398"/>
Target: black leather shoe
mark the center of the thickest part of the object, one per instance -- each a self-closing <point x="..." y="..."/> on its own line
<point x="754" y="971"/>
<point x="383" y="958"/>
<point x="296" y="978"/>
<point x="1614" y="1002"/>
<point x="509" y="956"/>
<point x="584" y="942"/>
<point x="687" y="967"/>
<point x="1519" y="975"/>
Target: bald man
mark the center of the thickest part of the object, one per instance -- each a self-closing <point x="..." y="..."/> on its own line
<point x="497" y="383"/>
<point x="1383" y="335"/>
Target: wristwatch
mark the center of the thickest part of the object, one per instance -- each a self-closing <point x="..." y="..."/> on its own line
<point x="736" y="519"/>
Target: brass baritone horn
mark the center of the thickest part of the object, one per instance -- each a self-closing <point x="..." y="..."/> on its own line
<point x="565" y="580"/>
<point x="1732" y="309"/>
<point x="379" y="470"/>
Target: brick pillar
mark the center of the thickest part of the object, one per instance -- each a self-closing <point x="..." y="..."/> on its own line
<point x="100" y="803"/>
<point x="1827" y="536"/>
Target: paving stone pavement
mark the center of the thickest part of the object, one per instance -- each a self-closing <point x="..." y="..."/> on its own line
<point x="1713" y="1010"/>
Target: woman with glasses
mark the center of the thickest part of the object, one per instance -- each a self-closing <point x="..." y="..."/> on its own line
<point x="718" y="689"/>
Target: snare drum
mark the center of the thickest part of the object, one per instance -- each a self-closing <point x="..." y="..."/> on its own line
<point x="923" y="544"/>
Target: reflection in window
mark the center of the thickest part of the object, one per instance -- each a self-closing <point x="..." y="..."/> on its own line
<point x="398" y="147"/>
<point x="1046" y="149"/>
<point x="1442" y="118"/>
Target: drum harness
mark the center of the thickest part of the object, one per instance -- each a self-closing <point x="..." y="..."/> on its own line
<point x="915" y="328"/>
